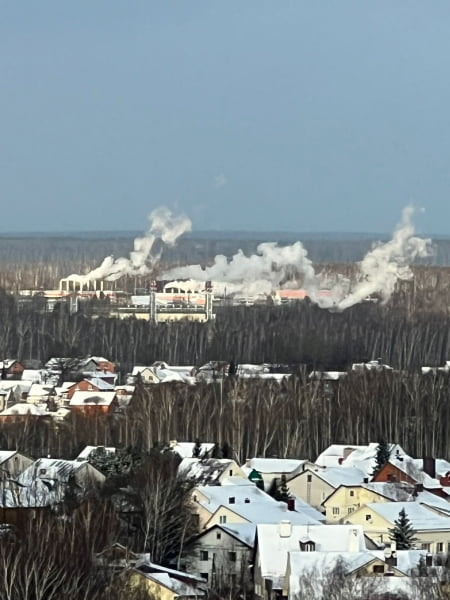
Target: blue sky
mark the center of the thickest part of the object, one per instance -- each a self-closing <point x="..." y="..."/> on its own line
<point x="289" y="116"/>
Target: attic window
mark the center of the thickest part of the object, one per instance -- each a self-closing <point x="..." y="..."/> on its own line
<point x="218" y="536"/>
<point x="231" y="472"/>
<point x="309" y="546"/>
<point x="378" y="569"/>
<point x="368" y="517"/>
<point x="352" y="492"/>
<point x="223" y="519"/>
<point x="309" y="478"/>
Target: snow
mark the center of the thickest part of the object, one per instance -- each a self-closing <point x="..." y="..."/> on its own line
<point x="421" y="518"/>
<point x="275" y="465"/>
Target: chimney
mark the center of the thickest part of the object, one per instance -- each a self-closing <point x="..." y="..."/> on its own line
<point x="429" y="559"/>
<point x="418" y="488"/>
<point x="291" y="504"/>
<point x="285" y="529"/>
<point x="353" y="542"/>
<point x="429" y="466"/>
<point x="366" y="480"/>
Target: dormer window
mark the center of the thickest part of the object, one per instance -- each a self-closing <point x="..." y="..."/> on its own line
<point x="307" y="546"/>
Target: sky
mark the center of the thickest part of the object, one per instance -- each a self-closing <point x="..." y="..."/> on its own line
<point x="286" y="116"/>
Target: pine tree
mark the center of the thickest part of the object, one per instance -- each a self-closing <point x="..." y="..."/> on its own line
<point x="283" y="494"/>
<point x="403" y="533"/>
<point x="196" y="452"/>
<point x="382" y="456"/>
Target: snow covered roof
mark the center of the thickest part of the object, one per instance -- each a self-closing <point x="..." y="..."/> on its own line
<point x="22" y="409"/>
<point x="50" y="468"/>
<point x="268" y="512"/>
<point x="218" y="495"/>
<point x="421" y="518"/>
<point x="307" y="510"/>
<point x="275" y="541"/>
<point x="336" y="476"/>
<point x="328" y="375"/>
<point x="407" y="560"/>
<point x="186" y="449"/>
<point x="275" y="465"/>
<point x="361" y="457"/>
<point x="33" y="375"/>
<point x="207" y="470"/>
<point x="180" y="583"/>
<point x="244" y="532"/>
<point x="6" y="455"/>
<point x="81" y="398"/>
<point x="101" y="384"/>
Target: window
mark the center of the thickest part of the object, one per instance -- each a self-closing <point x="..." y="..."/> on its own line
<point x="218" y="536"/>
<point x="352" y="492"/>
<point x="231" y="500"/>
<point x="204" y="575"/>
<point x="309" y="478"/>
<point x="368" y="517"/>
<point x="440" y="547"/>
<point x="231" y="472"/>
<point x="203" y="554"/>
<point x="425" y="546"/>
<point x="194" y="497"/>
<point x="378" y="569"/>
<point x="232" y="556"/>
<point x="222" y="519"/>
<point x="336" y="510"/>
<point x="350" y="510"/>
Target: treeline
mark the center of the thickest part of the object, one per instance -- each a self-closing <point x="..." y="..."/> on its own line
<point x="294" y="334"/>
<point x="298" y="418"/>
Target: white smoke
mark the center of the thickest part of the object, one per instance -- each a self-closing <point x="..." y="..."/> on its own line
<point x="261" y="273"/>
<point x="164" y="226"/>
<point x="272" y="267"/>
<point x="387" y="263"/>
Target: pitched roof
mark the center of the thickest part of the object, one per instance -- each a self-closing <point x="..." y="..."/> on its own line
<point x="268" y="512"/>
<point x="81" y="398"/>
<point x="421" y="518"/>
<point x="275" y="465"/>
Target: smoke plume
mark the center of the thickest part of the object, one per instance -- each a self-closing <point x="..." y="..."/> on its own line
<point x="272" y="267"/>
<point x="164" y="226"/>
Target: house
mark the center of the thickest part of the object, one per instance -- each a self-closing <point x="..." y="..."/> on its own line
<point x="95" y="384"/>
<point x="260" y="512"/>
<point x="345" y="499"/>
<point x="362" y="457"/>
<point x="22" y="411"/>
<point x="12" y="463"/>
<point x="274" y="542"/>
<point x="11" y="368"/>
<point x="97" y="363"/>
<point x="431" y="526"/>
<point x="271" y="469"/>
<point x="315" y="484"/>
<point x="209" y="470"/>
<point x="145" y="374"/>
<point x="94" y="403"/>
<point x="310" y="574"/>
<point x="166" y="584"/>
<point x="222" y="555"/>
<point x="41" y="393"/>
<point x="432" y="474"/>
<point x="87" y="451"/>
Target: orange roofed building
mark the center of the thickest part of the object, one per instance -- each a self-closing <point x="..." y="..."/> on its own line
<point x="95" y="403"/>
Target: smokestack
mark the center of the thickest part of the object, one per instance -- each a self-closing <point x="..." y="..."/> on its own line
<point x="429" y="466"/>
<point x="285" y="529"/>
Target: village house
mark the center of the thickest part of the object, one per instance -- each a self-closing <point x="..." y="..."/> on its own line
<point x="94" y="403"/>
<point x="345" y="499"/>
<point x="271" y="469"/>
<point x="222" y="555"/>
<point x="315" y="484"/>
<point x="209" y="470"/>
<point x="275" y="541"/>
<point x="430" y="522"/>
<point x="22" y="411"/>
<point x="11" y="368"/>
<point x="12" y="463"/>
<point x="166" y="584"/>
<point x="95" y="384"/>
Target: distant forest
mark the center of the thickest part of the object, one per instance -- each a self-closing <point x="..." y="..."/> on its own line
<point x="196" y="248"/>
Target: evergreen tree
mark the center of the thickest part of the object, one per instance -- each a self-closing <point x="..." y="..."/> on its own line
<point x="382" y="456"/>
<point x="403" y="533"/>
<point x="196" y="452"/>
<point x="283" y="494"/>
